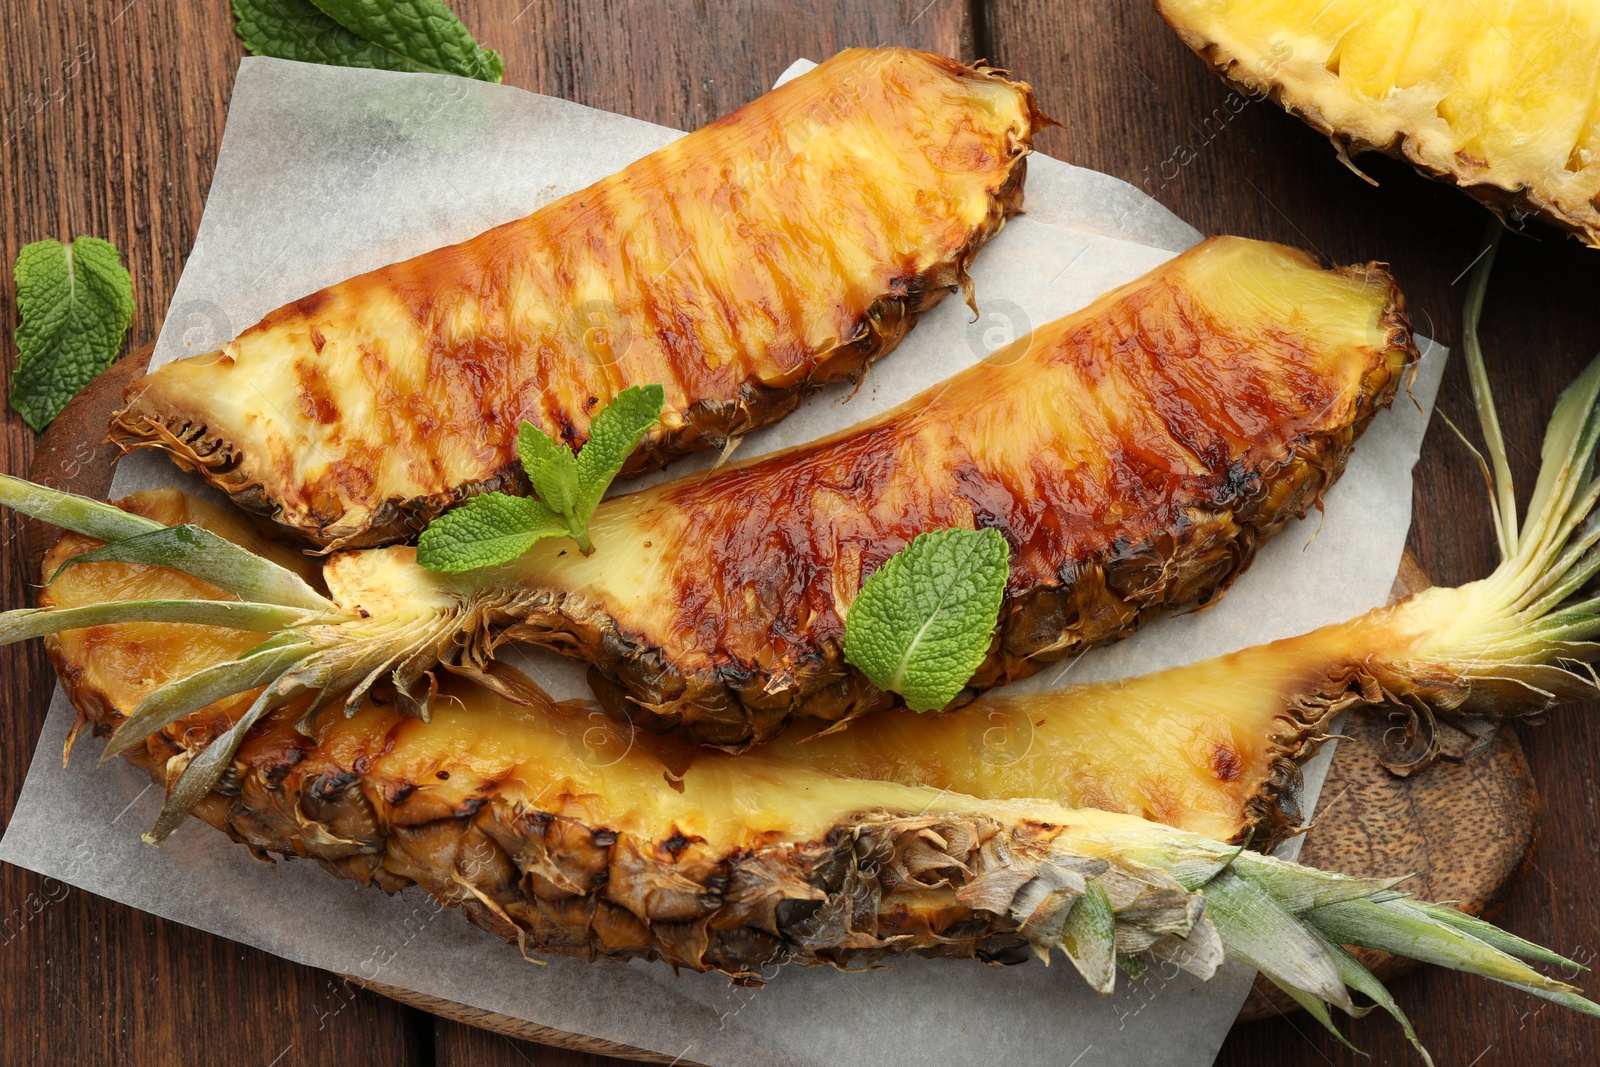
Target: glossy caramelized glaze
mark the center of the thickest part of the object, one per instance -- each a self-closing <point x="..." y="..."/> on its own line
<point x="781" y="247"/>
<point x="1132" y="454"/>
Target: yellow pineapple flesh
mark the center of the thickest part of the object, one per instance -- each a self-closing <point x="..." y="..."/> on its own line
<point x="1501" y="97"/>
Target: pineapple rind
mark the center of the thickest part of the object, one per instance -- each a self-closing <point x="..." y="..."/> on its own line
<point x="785" y="246"/>
<point x="1500" y="98"/>
<point x="562" y="833"/>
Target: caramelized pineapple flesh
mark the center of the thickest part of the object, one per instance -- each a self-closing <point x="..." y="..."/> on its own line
<point x="777" y="249"/>
<point x="1500" y="97"/>
<point x="1212" y="747"/>
<point x="1133" y="454"/>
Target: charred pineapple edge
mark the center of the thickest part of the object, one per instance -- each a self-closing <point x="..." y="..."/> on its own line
<point x="997" y="881"/>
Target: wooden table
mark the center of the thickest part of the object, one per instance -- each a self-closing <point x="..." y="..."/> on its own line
<point x="112" y="117"/>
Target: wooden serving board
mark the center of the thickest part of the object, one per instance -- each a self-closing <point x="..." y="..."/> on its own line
<point x="1466" y="829"/>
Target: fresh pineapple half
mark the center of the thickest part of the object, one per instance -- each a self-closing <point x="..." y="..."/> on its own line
<point x="781" y="247"/>
<point x="1500" y="97"/>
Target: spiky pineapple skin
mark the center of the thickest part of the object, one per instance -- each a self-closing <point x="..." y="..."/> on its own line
<point x="782" y="247"/>
<point x="562" y="843"/>
<point x="567" y="834"/>
<point x="1332" y="65"/>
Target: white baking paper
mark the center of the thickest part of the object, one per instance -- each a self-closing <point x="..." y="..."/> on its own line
<point x="324" y="172"/>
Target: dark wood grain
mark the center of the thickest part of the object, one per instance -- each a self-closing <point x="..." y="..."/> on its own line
<point x="112" y="115"/>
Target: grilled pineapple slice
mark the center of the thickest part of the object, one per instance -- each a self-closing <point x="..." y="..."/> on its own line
<point x="780" y="248"/>
<point x="568" y="833"/>
<point x="1500" y="97"/>
<point x="1133" y="454"/>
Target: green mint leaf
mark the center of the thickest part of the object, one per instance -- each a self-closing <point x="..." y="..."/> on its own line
<point x="425" y="32"/>
<point x="487" y="530"/>
<point x="296" y="29"/>
<point x="75" y="302"/>
<point x="613" y="435"/>
<point x="923" y="622"/>
<point x="497" y="528"/>
<point x="552" y="469"/>
<point x="419" y="36"/>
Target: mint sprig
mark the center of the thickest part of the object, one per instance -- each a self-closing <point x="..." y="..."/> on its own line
<point x="923" y="621"/>
<point x="497" y="528"/>
<point x="75" y="302"/>
<point x="421" y="36"/>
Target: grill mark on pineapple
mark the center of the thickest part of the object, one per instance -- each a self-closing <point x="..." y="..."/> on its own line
<point x="1226" y="764"/>
<point x="304" y="308"/>
<point x="316" y="396"/>
<point x="1111" y="517"/>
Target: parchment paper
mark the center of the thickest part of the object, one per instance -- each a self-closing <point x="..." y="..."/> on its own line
<point x="324" y="172"/>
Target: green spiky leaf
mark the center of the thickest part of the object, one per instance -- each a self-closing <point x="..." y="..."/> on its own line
<point x="26" y="623"/>
<point x="185" y="696"/>
<point x="92" y="518"/>
<point x="1366" y="983"/>
<point x="1259" y="930"/>
<point x="202" y="554"/>
<point x="1395" y="927"/>
<point x="207" y="768"/>
<point x="1089" y="939"/>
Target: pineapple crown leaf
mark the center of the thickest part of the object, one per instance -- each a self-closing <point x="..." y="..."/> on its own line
<point x="1522" y="627"/>
<point x="1292" y="922"/>
<point x="202" y="554"/>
